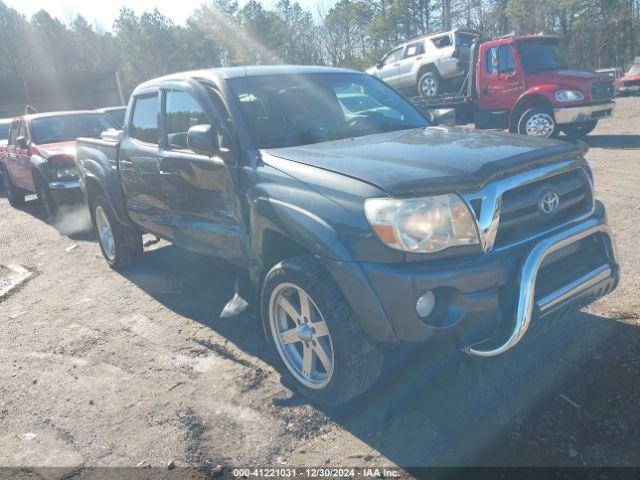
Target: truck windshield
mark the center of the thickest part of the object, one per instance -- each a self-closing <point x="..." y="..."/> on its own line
<point x="65" y="128"/>
<point x="541" y="55"/>
<point x="292" y="110"/>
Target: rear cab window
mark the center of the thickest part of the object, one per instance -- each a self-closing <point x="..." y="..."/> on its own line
<point x="144" y="121"/>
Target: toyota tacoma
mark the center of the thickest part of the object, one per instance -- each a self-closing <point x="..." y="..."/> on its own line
<point x="357" y="222"/>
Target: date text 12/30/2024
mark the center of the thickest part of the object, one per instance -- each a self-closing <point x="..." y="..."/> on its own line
<point x="315" y="473"/>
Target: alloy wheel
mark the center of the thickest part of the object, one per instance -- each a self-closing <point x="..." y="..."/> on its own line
<point x="105" y="234"/>
<point x="540" y="125"/>
<point x="301" y="335"/>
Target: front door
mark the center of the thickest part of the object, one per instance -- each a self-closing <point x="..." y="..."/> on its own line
<point x="138" y="164"/>
<point x="23" y="159"/>
<point x="388" y="71"/>
<point x="201" y="190"/>
<point x="501" y="82"/>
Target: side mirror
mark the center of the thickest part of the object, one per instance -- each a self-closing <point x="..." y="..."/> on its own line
<point x="380" y="64"/>
<point x="203" y="139"/>
<point x="21" y="142"/>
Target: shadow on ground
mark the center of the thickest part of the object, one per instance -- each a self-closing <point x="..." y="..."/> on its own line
<point x="613" y="141"/>
<point x="566" y="397"/>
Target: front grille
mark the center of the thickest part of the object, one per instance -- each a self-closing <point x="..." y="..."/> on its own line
<point x="521" y="216"/>
<point x="631" y="83"/>
<point x="602" y="90"/>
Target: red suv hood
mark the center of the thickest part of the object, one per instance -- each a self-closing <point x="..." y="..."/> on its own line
<point x="64" y="151"/>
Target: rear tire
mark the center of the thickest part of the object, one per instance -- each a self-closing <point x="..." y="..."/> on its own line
<point x="121" y="246"/>
<point x="343" y="361"/>
<point x="44" y="195"/>
<point x="429" y="85"/>
<point x="15" y="195"/>
<point x="538" y="122"/>
<point x="580" y="129"/>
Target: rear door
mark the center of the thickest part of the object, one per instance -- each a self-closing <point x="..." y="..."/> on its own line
<point x="138" y="164"/>
<point x="406" y="73"/>
<point x="201" y="190"/>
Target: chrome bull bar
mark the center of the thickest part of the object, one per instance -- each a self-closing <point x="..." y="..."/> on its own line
<point x="529" y="273"/>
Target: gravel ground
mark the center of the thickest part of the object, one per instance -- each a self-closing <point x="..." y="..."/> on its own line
<point x="105" y="369"/>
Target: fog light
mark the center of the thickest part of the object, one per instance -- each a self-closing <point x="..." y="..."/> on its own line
<point x="425" y="305"/>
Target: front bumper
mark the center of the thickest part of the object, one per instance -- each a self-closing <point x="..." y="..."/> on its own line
<point x="585" y="113"/>
<point x="484" y="305"/>
<point x="631" y="89"/>
<point x="65" y="191"/>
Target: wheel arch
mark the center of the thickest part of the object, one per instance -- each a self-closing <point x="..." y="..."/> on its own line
<point x="524" y="103"/>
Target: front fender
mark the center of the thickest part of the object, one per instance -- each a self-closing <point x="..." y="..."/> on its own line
<point x="303" y="227"/>
<point x="40" y="165"/>
<point x="320" y="239"/>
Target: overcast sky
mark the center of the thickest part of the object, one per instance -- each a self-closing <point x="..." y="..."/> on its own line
<point x="104" y="12"/>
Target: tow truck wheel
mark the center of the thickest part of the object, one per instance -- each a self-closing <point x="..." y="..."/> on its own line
<point x="580" y="129"/>
<point x="538" y="122"/>
<point x="15" y="195"/>
<point x="121" y="246"/>
<point x="46" y="200"/>
<point x="314" y="333"/>
<point x="429" y="85"/>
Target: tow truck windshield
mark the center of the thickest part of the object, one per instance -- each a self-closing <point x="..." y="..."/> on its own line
<point x="541" y="55"/>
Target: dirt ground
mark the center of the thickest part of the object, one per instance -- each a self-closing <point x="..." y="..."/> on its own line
<point x="99" y="368"/>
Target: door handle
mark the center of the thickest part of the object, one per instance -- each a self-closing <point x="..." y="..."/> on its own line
<point x="170" y="173"/>
<point x="125" y="162"/>
<point x="485" y="90"/>
<point x="396" y="64"/>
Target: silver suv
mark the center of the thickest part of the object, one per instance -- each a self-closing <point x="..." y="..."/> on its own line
<point x="431" y="64"/>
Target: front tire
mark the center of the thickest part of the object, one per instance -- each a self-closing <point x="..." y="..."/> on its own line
<point x="121" y="246"/>
<point x="15" y="195"/>
<point x="538" y="122"/>
<point x="44" y="195"/>
<point x="580" y="129"/>
<point x="314" y="333"/>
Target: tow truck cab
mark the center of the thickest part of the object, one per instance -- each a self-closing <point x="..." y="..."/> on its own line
<point x="522" y="83"/>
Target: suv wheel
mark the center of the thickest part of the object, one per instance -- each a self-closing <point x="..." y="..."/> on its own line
<point x="314" y="333"/>
<point x="580" y="129"/>
<point x="15" y="195"/>
<point x="44" y="195"/>
<point x="121" y="246"/>
<point x="429" y="85"/>
<point x="538" y="122"/>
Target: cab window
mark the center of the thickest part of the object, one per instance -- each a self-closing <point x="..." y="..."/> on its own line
<point x="144" y="121"/>
<point x="393" y="56"/>
<point x="182" y="112"/>
<point x="500" y="60"/>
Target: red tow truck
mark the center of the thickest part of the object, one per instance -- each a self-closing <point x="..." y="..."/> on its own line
<point x="521" y="82"/>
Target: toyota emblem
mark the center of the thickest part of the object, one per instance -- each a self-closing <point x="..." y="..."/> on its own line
<point x="549" y="202"/>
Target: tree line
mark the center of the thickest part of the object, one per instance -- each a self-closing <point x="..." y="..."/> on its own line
<point x="351" y="33"/>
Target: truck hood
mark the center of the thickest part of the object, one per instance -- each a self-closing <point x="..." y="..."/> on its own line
<point x="59" y="154"/>
<point x="429" y="160"/>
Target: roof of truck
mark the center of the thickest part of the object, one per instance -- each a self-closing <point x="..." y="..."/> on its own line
<point x="248" y="71"/>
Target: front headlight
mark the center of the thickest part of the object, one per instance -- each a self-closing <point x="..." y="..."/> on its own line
<point x="64" y="174"/>
<point x="569" y="96"/>
<point x="423" y="225"/>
